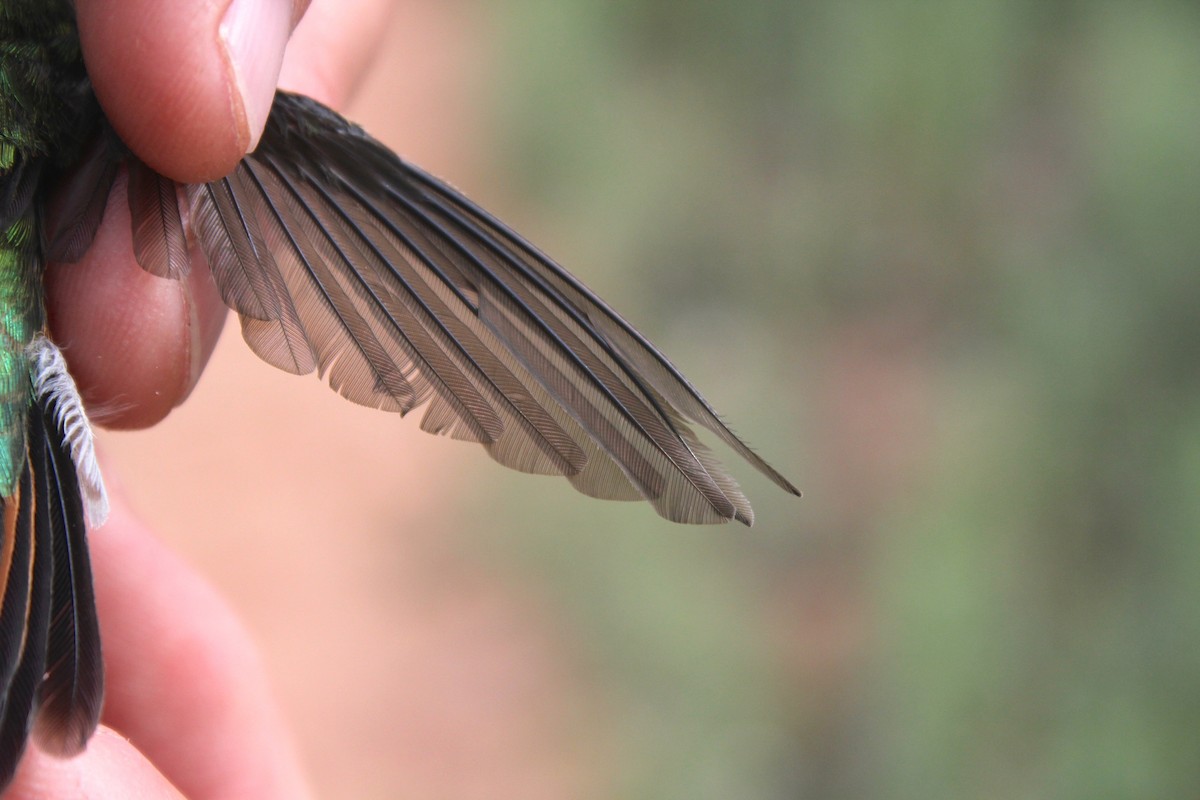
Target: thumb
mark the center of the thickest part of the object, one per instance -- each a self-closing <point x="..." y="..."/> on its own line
<point x="186" y="84"/>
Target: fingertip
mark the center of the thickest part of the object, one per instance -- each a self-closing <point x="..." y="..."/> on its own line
<point x="136" y="344"/>
<point x="188" y="90"/>
<point x="254" y="35"/>
<point x="332" y="47"/>
<point x="110" y="767"/>
<point x="184" y="678"/>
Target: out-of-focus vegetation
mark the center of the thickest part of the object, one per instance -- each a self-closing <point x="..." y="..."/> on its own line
<point x="941" y="262"/>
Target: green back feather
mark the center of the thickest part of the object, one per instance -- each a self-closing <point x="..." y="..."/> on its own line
<point x="44" y="97"/>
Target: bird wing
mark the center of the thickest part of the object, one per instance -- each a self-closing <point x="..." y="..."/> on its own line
<point x="342" y="258"/>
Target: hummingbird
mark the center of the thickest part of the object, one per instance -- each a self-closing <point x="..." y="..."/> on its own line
<point x="340" y="258"/>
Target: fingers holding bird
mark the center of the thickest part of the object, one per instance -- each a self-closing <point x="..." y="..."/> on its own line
<point x="165" y="74"/>
<point x="136" y="343"/>
<point x="186" y="84"/>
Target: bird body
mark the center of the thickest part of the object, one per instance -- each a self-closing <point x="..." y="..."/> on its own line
<point x="33" y="50"/>
<point x="340" y="258"/>
<point x="49" y="636"/>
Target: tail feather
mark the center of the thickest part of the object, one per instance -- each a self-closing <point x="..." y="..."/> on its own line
<point x="50" y="665"/>
<point x="72" y="693"/>
<point x="24" y="616"/>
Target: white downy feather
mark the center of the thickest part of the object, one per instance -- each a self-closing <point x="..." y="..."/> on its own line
<point x="53" y="383"/>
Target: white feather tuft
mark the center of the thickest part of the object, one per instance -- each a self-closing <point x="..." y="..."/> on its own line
<point x="54" y="384"/>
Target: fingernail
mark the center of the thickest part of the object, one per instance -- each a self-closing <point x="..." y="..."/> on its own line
<point x="254" y="34"/>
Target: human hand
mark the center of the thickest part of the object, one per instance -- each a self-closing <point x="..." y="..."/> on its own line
<point x="184" y="683"/>
<point x="166" y="76"/>
<point x="185" y="688"/>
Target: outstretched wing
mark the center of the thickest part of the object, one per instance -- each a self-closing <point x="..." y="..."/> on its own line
<point x="341" y="257"/>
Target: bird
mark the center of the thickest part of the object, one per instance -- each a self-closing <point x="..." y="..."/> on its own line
<point x="340" y="258"/>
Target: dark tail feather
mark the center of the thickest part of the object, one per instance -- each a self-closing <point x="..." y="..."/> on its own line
<point x="27" y="564"/>
<point x="50" y="667"/>
<point x="72" y="694"/>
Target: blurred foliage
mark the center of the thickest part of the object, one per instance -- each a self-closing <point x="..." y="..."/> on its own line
<point x="940" y="260"/>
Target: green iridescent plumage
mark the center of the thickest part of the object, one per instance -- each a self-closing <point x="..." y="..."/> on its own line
<point x="20" y="319"/>
<point x="43" y="84"/>
<point x="45" y="111"/>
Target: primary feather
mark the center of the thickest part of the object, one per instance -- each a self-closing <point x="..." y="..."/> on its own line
<point x="342" y="258"/>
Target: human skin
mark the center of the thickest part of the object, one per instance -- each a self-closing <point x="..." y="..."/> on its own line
<point x="187" y="84"/>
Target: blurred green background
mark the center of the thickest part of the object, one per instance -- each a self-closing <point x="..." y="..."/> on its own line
<point x="939" y="262"/>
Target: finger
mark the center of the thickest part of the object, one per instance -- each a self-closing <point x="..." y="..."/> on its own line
<point x="110" y="767"/>
<point x="184" y="681"/>
<point x="333" y="46"/>
<point x="136" y="344"/>
<point x="187" y="84"/>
